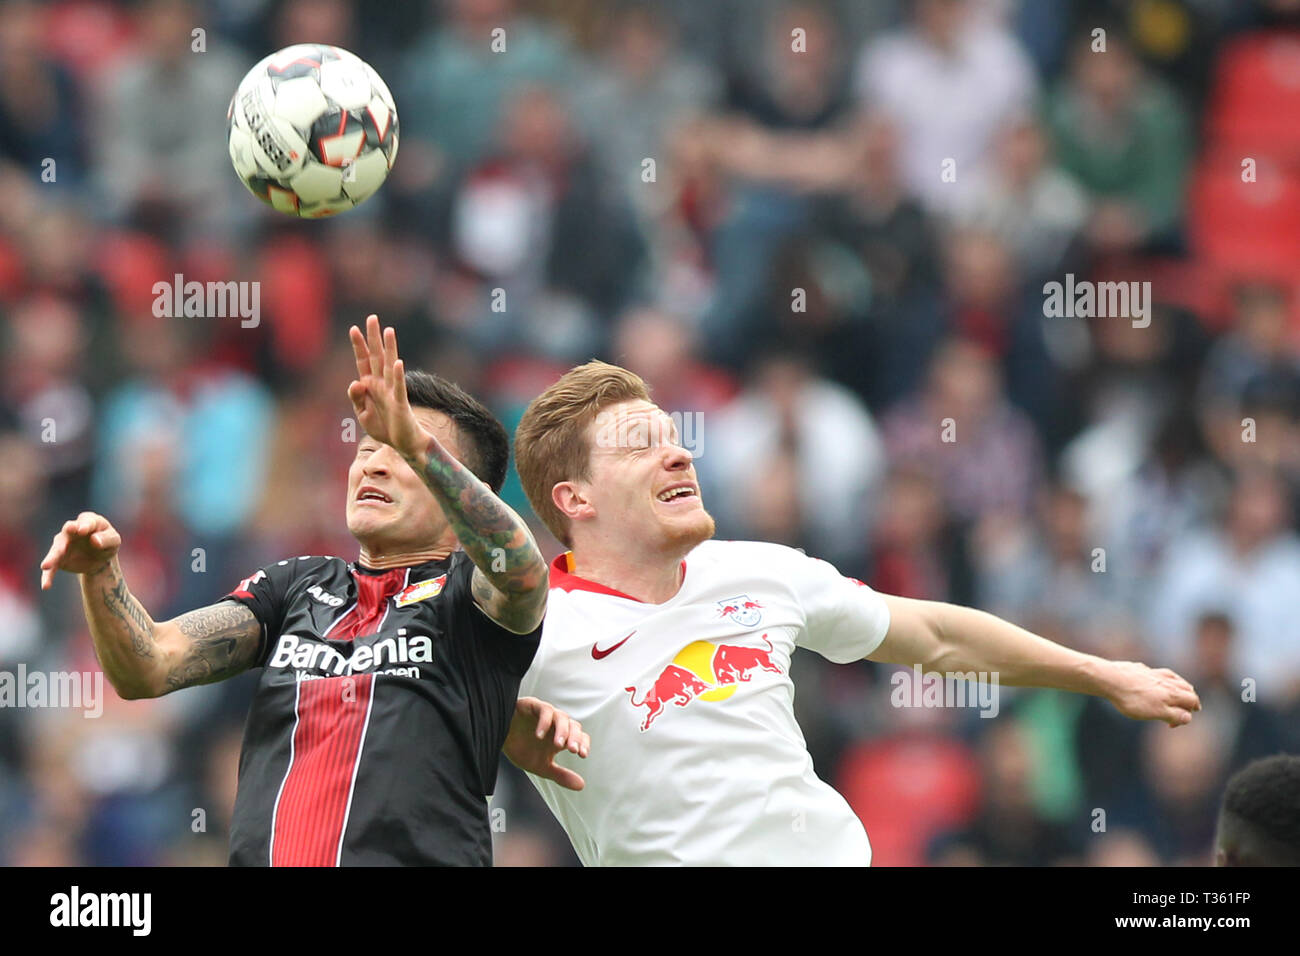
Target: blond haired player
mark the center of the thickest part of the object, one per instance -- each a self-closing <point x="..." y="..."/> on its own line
<point x="673" y="650"/>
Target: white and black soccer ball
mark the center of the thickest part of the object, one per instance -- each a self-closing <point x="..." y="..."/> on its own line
<point x="312" y="130"/>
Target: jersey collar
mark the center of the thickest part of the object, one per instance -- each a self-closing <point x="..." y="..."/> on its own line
<point x="438" y="564"/>
<point x="562" y="577"/>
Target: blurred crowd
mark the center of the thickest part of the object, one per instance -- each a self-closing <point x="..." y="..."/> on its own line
<point x="820" y="229"/>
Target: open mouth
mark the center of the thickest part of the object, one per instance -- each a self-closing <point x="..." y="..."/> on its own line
<point x="677" y="493"/>
<point x="370" y="495"/>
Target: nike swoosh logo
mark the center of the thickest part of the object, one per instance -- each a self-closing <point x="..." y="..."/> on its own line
<point x="597" y="653"/>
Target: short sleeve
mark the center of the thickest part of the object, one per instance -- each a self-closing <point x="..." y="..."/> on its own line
<point x="487" y="640"/>
<point x="265" y="593"/>
<point x="845" y="619"/>
<point x="492" y="660"/>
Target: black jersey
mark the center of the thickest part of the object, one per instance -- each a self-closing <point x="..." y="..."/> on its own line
<point x="384" y="700"/>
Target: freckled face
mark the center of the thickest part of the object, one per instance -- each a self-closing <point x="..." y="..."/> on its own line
<point x="643" y="481"/>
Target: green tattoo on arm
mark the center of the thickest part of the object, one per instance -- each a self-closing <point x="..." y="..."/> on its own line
<point x="510" y="579"/>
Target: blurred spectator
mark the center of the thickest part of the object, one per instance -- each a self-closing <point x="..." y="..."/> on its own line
<point x="459" y="77"/>
<point x="536" y="224"/>
<point x="640" y="87"/>
<point x="1120" y="847"/>
<point x="1051" y="576"/>
<point x="961" y="430"/>
<point x="395" y="276"/>
<point x="875" y="219"/>
<point x="1007" y="830"/>
<point x="1245" y="727"/>
<point x="801" y="82"/>
<point x="1183" y="775"/>
<point x="311" y="443"/>
<point x="41" y="118"/>
<point x="951" y="80"/>
<point x="1171" y="490"/>
<point x="990" y="302"/>
<point x="45" y="345"/>
<point x="1124" y="135"/>
<point x="106" y="782"/>
<point x="877" y="216"/>
<point x="21" y="503"/>
<point x="795" y="459"/>
<point x="912" y="549"/>
<point x="783" y="140"/>
<point x="1253" y="367"/>
<point x="165" y="164"/>
<point x="314" y="21"/>
<point x="1248" y="566"/>
<point x="660" y="347"/>
<point x="185" y="418"/>
<point x="1127" y="390"/>
<point x="1033" y="206"/>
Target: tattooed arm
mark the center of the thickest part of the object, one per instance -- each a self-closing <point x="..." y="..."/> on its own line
<point x="510" y="574"/>
<point x="142" y="658"/>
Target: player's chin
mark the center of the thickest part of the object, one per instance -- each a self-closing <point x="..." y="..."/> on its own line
<point x="363" y="523"/>
<point x="691" y="528"/>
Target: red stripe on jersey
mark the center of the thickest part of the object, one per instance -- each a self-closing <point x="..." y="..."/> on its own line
<point x="563" y="578"/>
<point x="373" y="592"/>
<point x="327" y="743"/>
<point x="327" y="740"/>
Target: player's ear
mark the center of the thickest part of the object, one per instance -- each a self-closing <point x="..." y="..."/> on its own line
<point x="568" y="497"/>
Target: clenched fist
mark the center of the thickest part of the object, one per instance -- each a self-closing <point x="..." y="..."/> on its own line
<point x="85" y="544"/>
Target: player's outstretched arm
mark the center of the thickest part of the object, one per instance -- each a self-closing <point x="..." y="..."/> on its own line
<point x="538" y="732"/>
<point x="142" y="658"/>
<point x="510" y="574"/>
<point x="947" y="638"/>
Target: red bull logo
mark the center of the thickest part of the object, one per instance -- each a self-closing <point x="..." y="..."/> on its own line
<point x="741" y="609"/>
<point x="703" y="671"/>
<point x="674" y="685"/>
<point x="733" y="662"/>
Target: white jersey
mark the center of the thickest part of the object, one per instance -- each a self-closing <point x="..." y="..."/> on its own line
<point x="696" y="757"/>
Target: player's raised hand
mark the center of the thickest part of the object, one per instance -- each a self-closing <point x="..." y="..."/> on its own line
<point x="1144" y="693"/>
<point x="379" y="393"/>
<point x="538" y="732"/>
<point x="85" y="544"/>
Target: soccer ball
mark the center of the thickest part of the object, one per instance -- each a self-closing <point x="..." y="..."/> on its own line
<point x="312" y="130"/>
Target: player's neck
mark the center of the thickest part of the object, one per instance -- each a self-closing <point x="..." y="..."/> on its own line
<point x="382" y="560"/>
<point x="653" y="579"/>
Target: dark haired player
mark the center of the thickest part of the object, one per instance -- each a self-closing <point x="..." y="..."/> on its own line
<point x="1259" y="823"/>
<point x="389" y="683"/>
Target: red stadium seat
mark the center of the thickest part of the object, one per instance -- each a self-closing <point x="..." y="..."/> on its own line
<point x="130" y="264"/>
<point x="12" y="275"/>
<point x="1248" y="228"/>
<point x="298" y="299"/>
<point x="907" y="789"/>
<point x="1255" y="97"/>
